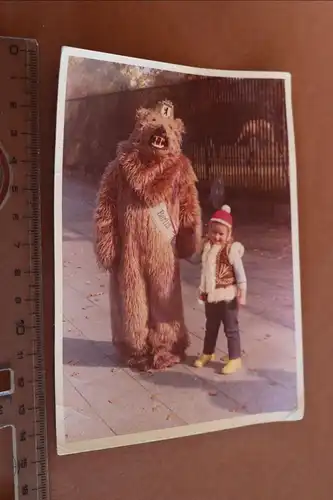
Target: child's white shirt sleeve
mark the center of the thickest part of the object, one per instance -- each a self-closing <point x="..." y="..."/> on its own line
<point x="235" y="258"/>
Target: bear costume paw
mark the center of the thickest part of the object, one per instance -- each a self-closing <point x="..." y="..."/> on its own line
<point x="165" y="359"/>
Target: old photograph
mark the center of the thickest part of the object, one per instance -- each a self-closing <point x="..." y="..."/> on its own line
<point x="177" y="280"/>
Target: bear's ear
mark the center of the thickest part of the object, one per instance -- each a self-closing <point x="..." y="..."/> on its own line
<point x="141" y="114"/>
<point x="179" y="125"/>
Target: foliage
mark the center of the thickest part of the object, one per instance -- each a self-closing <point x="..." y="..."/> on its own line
<point x="91" y="77"/>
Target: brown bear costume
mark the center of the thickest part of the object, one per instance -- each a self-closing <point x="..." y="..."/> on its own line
<point x="147" y="217"/>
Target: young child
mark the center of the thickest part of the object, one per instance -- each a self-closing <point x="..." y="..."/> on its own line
<point x="222" y="289"/>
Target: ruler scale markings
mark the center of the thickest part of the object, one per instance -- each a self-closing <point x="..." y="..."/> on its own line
<point x="20" y="268"/>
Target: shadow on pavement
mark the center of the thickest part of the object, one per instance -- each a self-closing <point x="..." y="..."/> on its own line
<point x="254" y="396"/>
<point x="259" y="391"/>
<point x="86" y="352"/>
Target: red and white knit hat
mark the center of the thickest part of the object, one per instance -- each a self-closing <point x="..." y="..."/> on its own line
<point x="223" y="216"/>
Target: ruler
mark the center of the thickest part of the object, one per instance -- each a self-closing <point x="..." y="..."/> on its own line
<point x="22" y="401"/>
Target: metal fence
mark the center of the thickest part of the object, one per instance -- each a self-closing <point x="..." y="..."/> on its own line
<point x="242" y="167"/>
<point x="235" y="129"/>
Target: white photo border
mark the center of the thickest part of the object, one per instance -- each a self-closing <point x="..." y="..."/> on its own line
<point x="66" y="448"/>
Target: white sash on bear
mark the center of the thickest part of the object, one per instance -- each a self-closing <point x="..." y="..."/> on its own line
<point x="163" y="221"/>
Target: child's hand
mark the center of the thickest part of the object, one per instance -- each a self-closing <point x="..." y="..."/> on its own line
<point x="202" y="297"/>
<point x="241" y="297"/>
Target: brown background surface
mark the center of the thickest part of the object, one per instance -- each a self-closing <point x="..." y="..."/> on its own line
<point x="269" y="462"/>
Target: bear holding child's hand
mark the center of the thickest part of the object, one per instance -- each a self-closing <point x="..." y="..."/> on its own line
<point x="147" y="217"/>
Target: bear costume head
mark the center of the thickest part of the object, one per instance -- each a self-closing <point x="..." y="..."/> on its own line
<point x="151" y="158"/>
<point x="157" y="134"/>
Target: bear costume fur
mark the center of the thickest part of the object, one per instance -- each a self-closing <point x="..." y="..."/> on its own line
<point x="147" y="319"/>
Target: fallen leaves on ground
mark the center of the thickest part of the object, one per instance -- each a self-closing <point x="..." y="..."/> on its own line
<point x="239" y="408"/>
<point x="73" y="362"/>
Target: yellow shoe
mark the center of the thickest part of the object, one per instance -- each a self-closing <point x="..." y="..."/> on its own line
<point x="232" y="366"/>
<point x="203" y="360"/>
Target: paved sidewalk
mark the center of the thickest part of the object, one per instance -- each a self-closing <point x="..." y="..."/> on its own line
<point x="102" y="399"/>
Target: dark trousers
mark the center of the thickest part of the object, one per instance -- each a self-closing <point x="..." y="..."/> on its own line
<point x="226" y="313"/>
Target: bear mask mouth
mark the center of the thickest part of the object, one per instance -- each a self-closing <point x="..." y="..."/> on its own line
<point x="159" y="140"/>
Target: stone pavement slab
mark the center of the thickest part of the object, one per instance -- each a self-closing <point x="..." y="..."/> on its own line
<point x="81" y="421"/>
<point x="105" y="399"/>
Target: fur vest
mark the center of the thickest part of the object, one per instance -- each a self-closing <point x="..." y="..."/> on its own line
<point x="218" y="277"/>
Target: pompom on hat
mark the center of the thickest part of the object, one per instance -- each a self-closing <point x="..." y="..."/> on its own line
<point x="223" y="216"/>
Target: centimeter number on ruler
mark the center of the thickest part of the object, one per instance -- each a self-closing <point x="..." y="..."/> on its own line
<point x="22" y="406"/>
